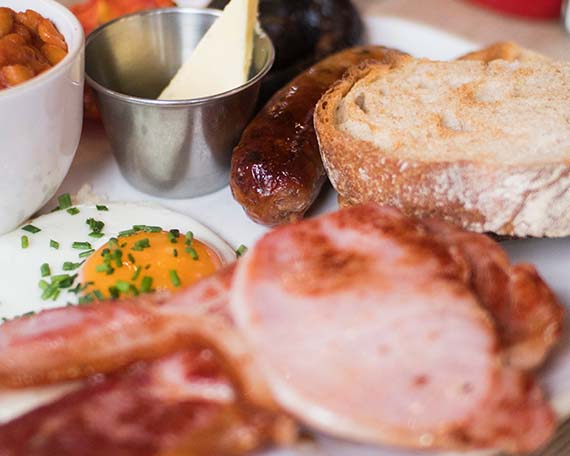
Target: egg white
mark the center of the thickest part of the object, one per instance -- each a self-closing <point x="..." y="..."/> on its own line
<point x="20" y="268"/>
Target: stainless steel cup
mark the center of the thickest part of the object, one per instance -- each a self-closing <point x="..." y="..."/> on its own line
<point x="174" y="149"/>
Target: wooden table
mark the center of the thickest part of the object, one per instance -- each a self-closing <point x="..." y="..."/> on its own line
<point x="477" y="24"/>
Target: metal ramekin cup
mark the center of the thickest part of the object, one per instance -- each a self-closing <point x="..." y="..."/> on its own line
<point x="173" y="149"/>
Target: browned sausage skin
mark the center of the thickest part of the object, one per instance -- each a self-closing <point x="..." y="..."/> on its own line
<point x="276" y="168"/>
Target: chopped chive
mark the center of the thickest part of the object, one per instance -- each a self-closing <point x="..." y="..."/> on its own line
<point x="87" y="299"/>
<point x="173" y="236"/>
<point x="147" y="229"/>
<point x="135" y="276"/>
<point x="25" y="241"/>
<point x="192" y="252"/>
<point x="189" y="237"/>
<point x="174" y="278"/>
<point x="43" y="284"/>
<point x="114" y="292"/>
<point x="133" y="290"/>
<point x="54" y="244"/>
<point x="28" y="314"/>
<point x="64" y="201"/>
<point x="31" y="229"/>
<point x="113" y="243"/>
<point x="69" y="266"/>
<point x="45" y="270"/>
<point x="122" y="286"/>
<point x="59" y="282"/>
<point x="73" y="211"/>
<point x="127" y="233"/>
<point x="86" y="253"/>
<point x="95" y="225"/>
<point x="175" y="253"/>
<point x="98" y="295"/>
<point x="141" y="245"/>
<point x="146" y="284"/>
<point x="80" y="287"/>
<point x="96" y="235"/>
<point x="118" y="257"/>
<point x="63" y="280"/>
<point x="48" y="293"/>
<point x="131" y="258"/>
<point x="101" y="207"/>
<point x="105" y="267"/>
<point x="241" y="250"/>
<point x="105" y="252"/>
<point x="81" y="245"/>
<point x="152" y="229"/>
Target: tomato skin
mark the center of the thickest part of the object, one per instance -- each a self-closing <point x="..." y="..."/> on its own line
<point x="533" y="9"/>
<point x="93" y="13"/>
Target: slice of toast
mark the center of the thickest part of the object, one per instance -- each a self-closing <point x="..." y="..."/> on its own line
<point x="483" y="142"/>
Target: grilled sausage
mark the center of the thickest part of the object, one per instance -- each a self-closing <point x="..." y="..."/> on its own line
<point x="276" y="168"/>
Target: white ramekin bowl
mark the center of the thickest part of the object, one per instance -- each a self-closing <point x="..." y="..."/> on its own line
<point x="40" y="123"/>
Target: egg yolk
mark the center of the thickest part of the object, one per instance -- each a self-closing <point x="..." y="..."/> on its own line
<point x="145" y="262"/>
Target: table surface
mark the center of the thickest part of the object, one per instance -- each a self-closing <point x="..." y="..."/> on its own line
<point x="477" y="24"/>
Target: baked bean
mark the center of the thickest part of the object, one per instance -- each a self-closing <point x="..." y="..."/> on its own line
<point x="16" y="74"/>
<point x="54" y="54"/>
<point x="6" y="21"/>
<point x="30" y="19"/>
<point x="29" y="45"/>
<point x="50" y="35"/>
<point x="39" y="62"/>
<point x="13" y="39"/>
<point x="13" y="50"/>
<point x="23" y="31"/>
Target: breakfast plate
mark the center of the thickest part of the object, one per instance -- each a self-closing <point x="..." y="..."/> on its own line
<point x="95" y="167"/>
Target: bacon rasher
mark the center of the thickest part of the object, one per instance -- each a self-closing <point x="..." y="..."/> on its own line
<point x="370" y="327"/>
<point x="187" y="403"/>
<point x="364" y="324"/>
<point x="74" y="342"/>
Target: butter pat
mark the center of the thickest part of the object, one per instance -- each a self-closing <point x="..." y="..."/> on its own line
<point x="222" y="59"/>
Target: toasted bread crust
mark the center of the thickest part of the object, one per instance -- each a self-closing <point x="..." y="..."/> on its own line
<point x="505" y="51"/>
<point x="515" y="200"/>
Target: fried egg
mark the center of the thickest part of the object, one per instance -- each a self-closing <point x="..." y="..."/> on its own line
<point x="86" y="253"/>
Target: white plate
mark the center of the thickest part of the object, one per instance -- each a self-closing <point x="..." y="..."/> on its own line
<point x="94" y="165"/>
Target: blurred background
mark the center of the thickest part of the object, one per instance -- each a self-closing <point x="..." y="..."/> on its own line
<point x="532" y="23"/>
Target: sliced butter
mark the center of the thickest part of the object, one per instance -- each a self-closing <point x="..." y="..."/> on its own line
<point x="222" y="59"/>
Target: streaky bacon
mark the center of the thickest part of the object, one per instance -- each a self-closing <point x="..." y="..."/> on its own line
<point x="406" y="352"/>
<point x="442" y="280"/>
<point x="189" y="402"/>
<point x="77" y="341"/>
<point x="527" y="315"/>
